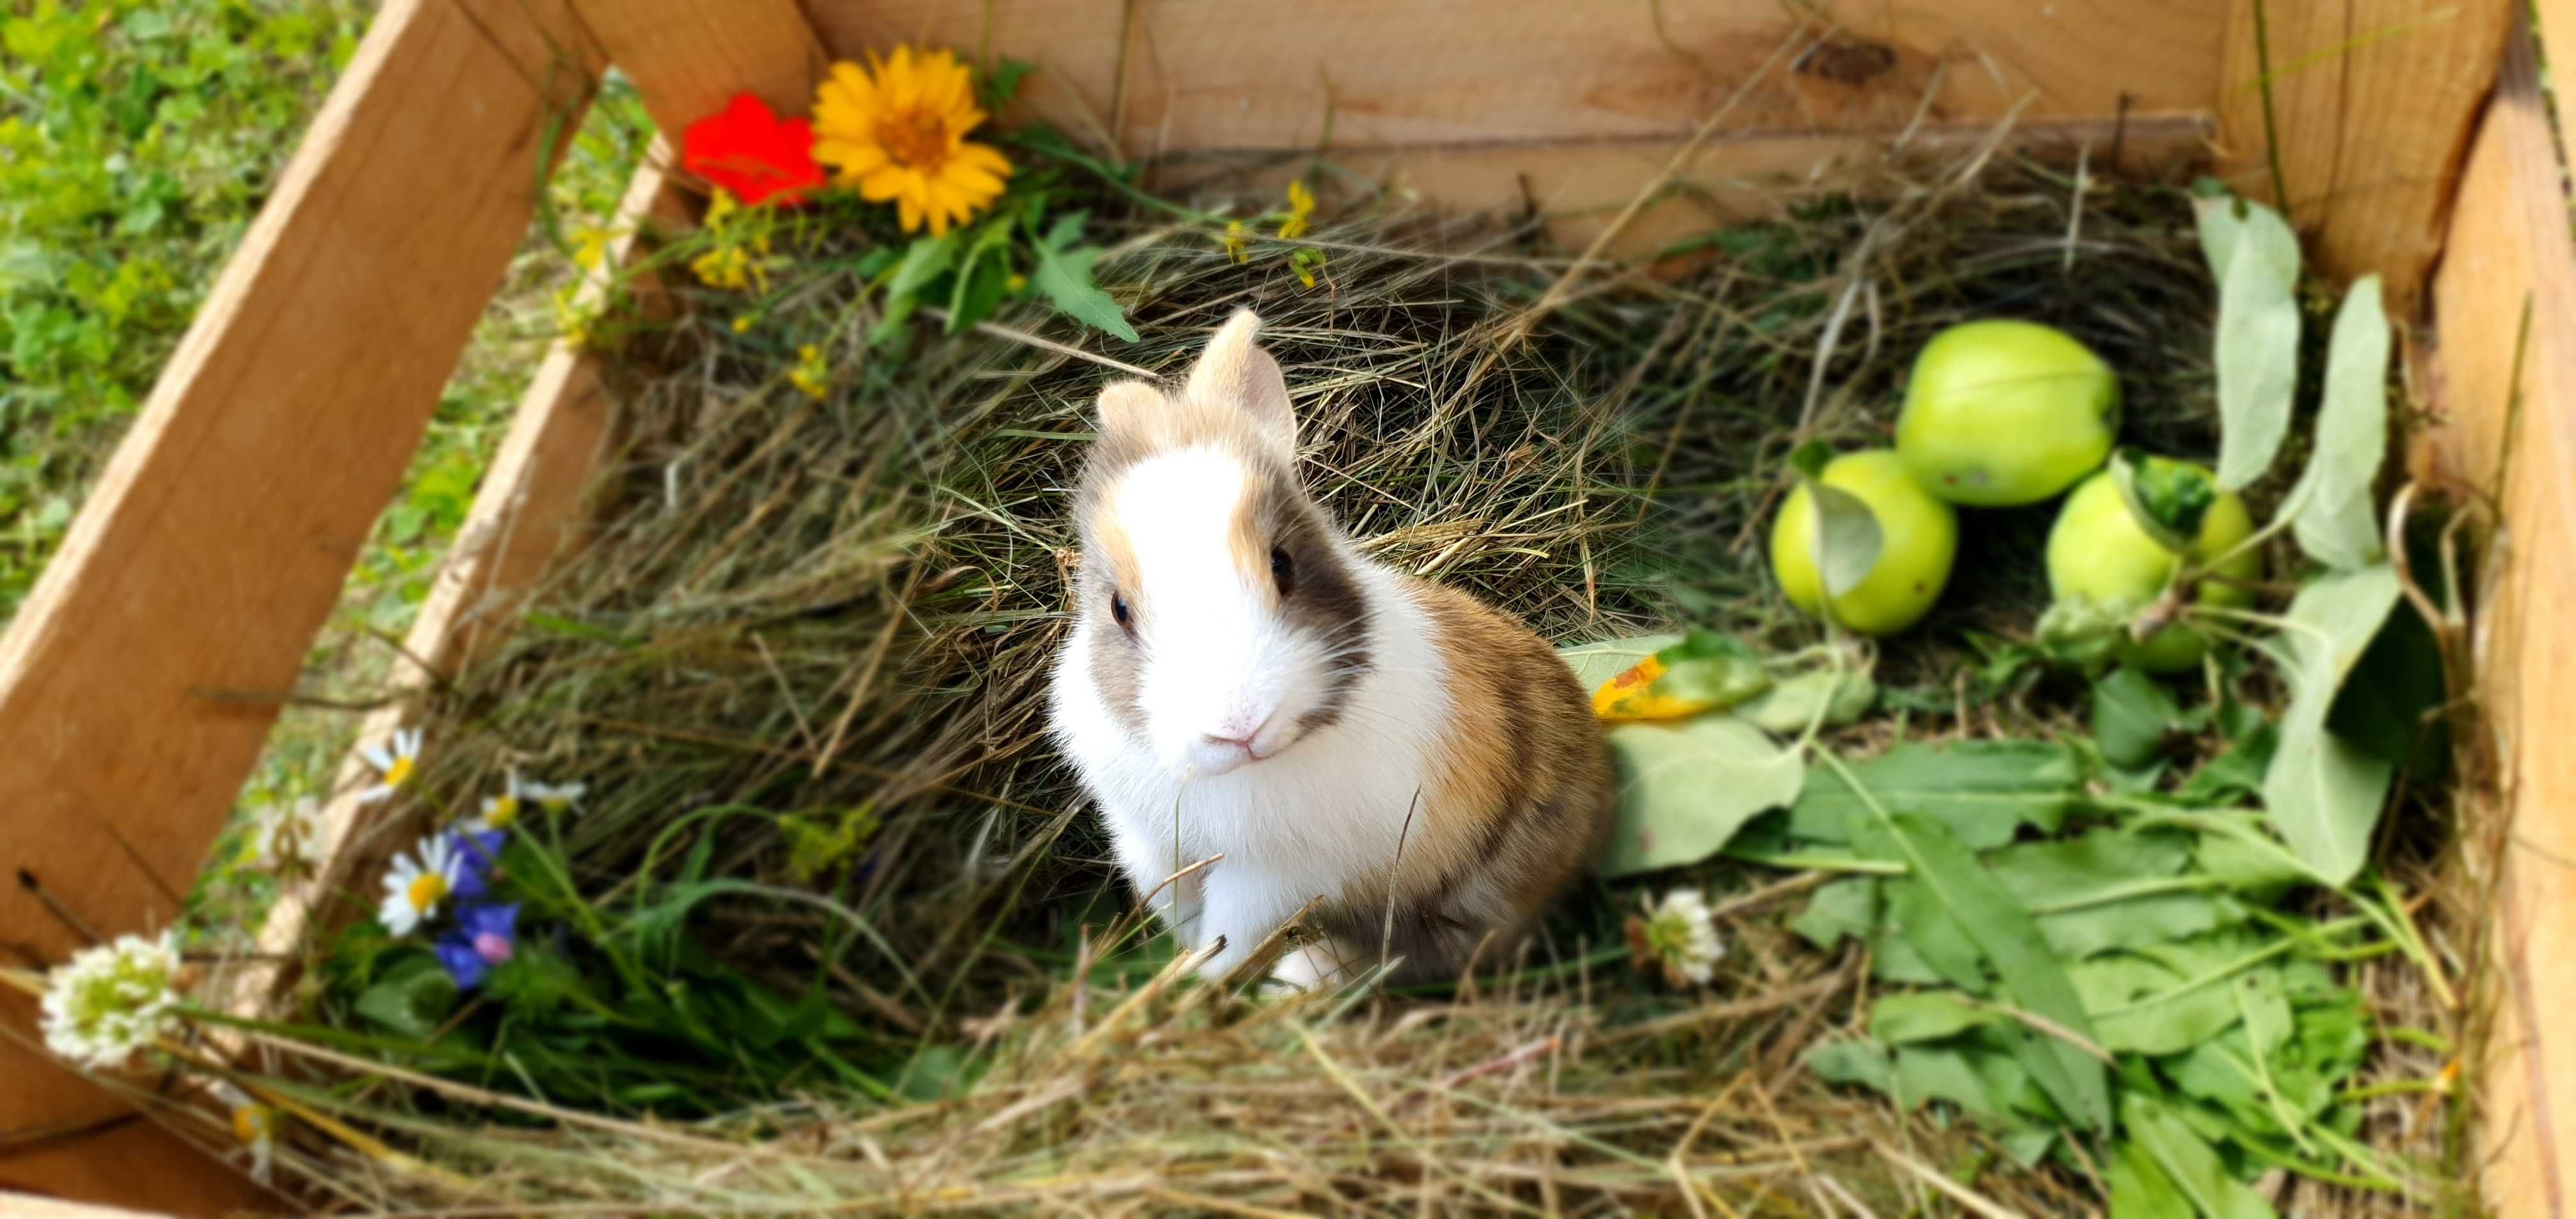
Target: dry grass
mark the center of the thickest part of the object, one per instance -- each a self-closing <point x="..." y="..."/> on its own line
<point x="796" y="609"/>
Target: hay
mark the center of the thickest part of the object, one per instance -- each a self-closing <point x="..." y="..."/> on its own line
<point x="803" y="619"/>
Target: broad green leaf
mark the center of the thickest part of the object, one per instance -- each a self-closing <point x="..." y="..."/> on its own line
<point x="1686" y="787"/>
<point x="926" y="259"/>
<point x="2169" y="500"/>
<point x="1712" y="668"/>
<point x="1595" y="663"/>
<point x="2032" y="977"/>
<point x="1847" y="907"/>
<point x="1923" y="1015"/>
<point x="2188" y="1164"/>
<point x="2106" y="890"/>
<point x="2225" y="222"/>
<point x="1929" y="1073"/>
<point x="1848" y="539"/>
<point x="2337" y="524"/>
<point x="1823" y="697"/>
<point x="413" y="999"/>
<point x="2258" y="366"/>
<point x="2388" y="703"/>
<point x="1065" y="276"/>
<point x="2132" y="714"/>
<point x="1918" y="915"/>
<point x="2139" y="1189"/>
<point x="1853" y="1062"/>
<point x="2323" y="793"/>
<point x="1983" y="791"/>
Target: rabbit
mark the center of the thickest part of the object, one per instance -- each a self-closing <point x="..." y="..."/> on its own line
<point x="1240" y="681"/>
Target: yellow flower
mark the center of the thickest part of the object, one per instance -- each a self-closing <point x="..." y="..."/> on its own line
<point x="811" y="374"/>
<point x="573" y="321"/>
<point x="590" y="246"/>
<point x="738" y="257"/>
<point x="743" y="322"/>
<point x="898" y="132"/>
<point x="1016" y="284"/>
<point x="1233" y="242"/>
<point x="1301" y="208"/>
<point x="1304" y="262"/>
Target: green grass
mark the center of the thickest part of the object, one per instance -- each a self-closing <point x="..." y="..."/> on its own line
<point x="137" y="141"/>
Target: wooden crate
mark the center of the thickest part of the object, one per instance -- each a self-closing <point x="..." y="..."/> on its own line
<point x="138" y="684"/>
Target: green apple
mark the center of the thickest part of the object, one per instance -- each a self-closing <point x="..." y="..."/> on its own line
<point x="2100" y="554"/>
<point x="1999" y="413"/>
<point x="1918" y="536"/>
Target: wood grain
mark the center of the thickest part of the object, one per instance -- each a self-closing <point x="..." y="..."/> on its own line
<point x="218" y="537"/>
<point x="2509" y="251"/>
<point x="534" y="502"/>
<point x="2375" y="101"/>
<point x="1577" y="188"/>
<point x="1187" y="76"/>
<point x="689" y="57"/>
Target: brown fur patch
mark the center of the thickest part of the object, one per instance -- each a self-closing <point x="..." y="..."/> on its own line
<point x="1525" y="799"/>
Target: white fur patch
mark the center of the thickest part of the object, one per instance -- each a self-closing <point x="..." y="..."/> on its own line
<point x="1326" y="810"/>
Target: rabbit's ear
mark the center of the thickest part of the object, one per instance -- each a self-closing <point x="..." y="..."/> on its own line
<point x="1233" y="373"/>
<point x="1131" y="413"/>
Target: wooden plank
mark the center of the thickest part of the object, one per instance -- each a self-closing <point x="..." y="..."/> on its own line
<point x="689" y="57"/>
<point x="218" y="537"/>
<point x="2509" y="251"/>
<point x="1579" y="188"/>
<point x="535" y="500"/>
<point x="29" y="1206"/>
<point x="137" y="1164"/>
<point x="1179" y="76"/>
<point x="2375" y="101"/>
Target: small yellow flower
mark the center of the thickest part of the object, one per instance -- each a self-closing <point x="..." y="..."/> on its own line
<point x="811" y="374"/>
<point x="254" y="1127"/>
<point x="743" y="322"/>
<point x="1234" y="243"/>
<point x="1305" y="262"/>
<point x="1301" y="209"/>
<point x="738" y="257"/>
<point x="590" y="246"/>
<point x="394" y="765"/>
<point x="897" y="130"/>
<point x="1016" y="284"/>
<point x="573" y="320"/>
<point x="502" y="811"/>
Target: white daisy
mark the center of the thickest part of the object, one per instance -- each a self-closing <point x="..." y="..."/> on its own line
<point x="395" y="764"/>
<point x="417" y="883"/>
<point x="288" y="837"/>
<point x="254" y="1127"/>
<point x="1678" y="935"/>
<point x="552" y="797"/>
<point x="501" y="812"/>
<point x="111" y="1000"/>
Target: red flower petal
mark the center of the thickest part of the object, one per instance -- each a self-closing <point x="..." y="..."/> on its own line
<point x="748" y="151"/>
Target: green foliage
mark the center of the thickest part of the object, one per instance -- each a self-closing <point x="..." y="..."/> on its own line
<point x="2170" y="499"/>
<point x="1685" y="788"/>
<point x="2258" y="334"/>
<point x="2323" y="791"/>
<point x="1848" y="537"/>
<point x="2337" y="522"/>
<point x="137" y="140"/>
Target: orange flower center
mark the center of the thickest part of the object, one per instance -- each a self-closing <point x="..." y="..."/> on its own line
<point x="916" y="138"/>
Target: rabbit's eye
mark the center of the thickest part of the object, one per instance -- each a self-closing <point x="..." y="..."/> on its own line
<point x="1283" y="570"/>
<point x="1118" y="610"/>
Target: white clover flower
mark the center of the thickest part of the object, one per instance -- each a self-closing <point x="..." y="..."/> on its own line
<point x="553" y="797"/>
<point x="418" y="882"/>
<point x="1679" y="936"/>
<point x="111" y="1000"/>
<point x="396" y="764"/>
<point x="254" y="1127"/>
<point x="501" y="813"/>
<point x="288" y="837"/>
